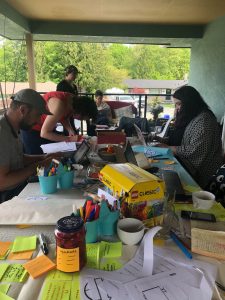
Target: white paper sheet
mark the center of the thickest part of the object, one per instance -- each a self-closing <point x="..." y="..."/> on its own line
<point x="59" y="147"/>
<point x="141" y="265"/>
<point x="36" y="212"/>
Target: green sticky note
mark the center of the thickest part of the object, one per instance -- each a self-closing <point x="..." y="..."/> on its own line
<point x="111" y="249"/>
<point x="24" y="243"/>
<point x="58" y="275"/>
<point x="93" y="252"/>
<point x="75" y="287"/>
<point x="56" y="290"/>
<point x="3" y="268"/>
<point x="110" y="264"/>
<point x="4" y="288"/>
<point x="5" y="297"/>
<point x="15" y="273"/>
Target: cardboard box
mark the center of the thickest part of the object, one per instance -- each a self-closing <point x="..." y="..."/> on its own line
<point x="137" y="183"/>
<point x="143" y="193"/>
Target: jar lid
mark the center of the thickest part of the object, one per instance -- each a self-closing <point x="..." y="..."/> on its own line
<point x="69" y="224"/>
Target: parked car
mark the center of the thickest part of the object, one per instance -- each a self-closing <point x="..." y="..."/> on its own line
<point x="124" y="98"/>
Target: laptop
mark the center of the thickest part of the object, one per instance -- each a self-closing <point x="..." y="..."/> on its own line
<point x="140" y="135"/>
<point x="81" y="152"/>
<point x="174" y="185"/>
<point x="129" y="156"/>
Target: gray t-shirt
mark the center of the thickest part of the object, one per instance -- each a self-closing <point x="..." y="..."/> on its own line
<point x="11" y="149"/>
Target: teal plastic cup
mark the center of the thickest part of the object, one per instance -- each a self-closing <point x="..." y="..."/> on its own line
<point x="92" y="231"/>
<point x="108" y="225"/>
<point x="48" y="184"/>
<point x="66" y="180"/>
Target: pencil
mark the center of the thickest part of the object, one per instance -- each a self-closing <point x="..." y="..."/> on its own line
<point x="180" y="245"/>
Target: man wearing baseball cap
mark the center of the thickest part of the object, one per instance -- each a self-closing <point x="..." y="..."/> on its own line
<point x="25" y="110"/>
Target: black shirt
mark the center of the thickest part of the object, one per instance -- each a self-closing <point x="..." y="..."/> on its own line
<point x="65" y="86"/>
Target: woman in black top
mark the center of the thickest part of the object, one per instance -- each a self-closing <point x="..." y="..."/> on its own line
<point x="67" y="84"/>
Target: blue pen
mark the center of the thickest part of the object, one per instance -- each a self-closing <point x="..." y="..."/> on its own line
<point x="180" y="245"/>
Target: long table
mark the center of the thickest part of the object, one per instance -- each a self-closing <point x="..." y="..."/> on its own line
<point x="8" y="232"/>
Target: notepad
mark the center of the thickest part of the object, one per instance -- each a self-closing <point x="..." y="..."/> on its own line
<point x="20" y="255"/>
<point x="93" y="255"/>
<point x="110" y="264"/>
<point x="208" y="242"/>
<point x="3" y="268"/>
<point x="4" y="247"/>
<point x="38" y="266"/>
<point x="24" y="243"/>
<point x="15" y="273"/>
<point x="59" y="275"/>
<point x="111" y="249"/>
<point x="4" y="288"/>
<point x="5" y="297"/>
<point x="56" y="290"/>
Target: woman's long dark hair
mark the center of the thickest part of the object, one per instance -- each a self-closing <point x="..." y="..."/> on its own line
<point x="192" y="104"/>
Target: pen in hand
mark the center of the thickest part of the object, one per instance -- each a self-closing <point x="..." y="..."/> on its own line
<point x="43" y="243"/>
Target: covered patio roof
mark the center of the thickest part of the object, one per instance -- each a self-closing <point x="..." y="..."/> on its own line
<point x="171" y="23"/>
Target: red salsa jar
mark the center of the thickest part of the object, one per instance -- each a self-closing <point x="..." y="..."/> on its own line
<point x="70" y="244"/>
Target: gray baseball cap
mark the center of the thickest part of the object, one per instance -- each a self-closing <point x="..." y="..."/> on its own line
<point x="32" y="98"/>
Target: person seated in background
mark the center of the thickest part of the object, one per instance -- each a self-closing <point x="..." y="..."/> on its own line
<point x="200" y="151"/>
<point x="25" y="110"/>
<point x="61" y="106"/>
<point x="67" y="84"/>
<point x="104" y="111"/>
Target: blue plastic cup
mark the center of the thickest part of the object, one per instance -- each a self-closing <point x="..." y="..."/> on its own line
<point x="66" y="180"/>
<point x="48" y="184"/>
<point x="91" y="231"/>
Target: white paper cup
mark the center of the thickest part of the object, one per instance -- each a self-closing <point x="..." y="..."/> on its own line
<point x="203" y="199"/>
<point x="130" y="231"/>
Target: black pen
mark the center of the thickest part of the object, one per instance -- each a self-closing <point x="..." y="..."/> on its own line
<point x="220" y="286"/>
<point x="43" y="243"/>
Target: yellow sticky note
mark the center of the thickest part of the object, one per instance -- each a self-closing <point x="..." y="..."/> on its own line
<point x="110" y="264"/>
<point x="24" y="243"/>
<point x="64" y="258"/>
<point x="58" y="275"/>
<point x="93" y="252"/>
<point x="4" y="288"/>
<point x="4" y="247"/>
<point x="111" y="249"/>
<point x="38" y="266"/>
<point x="22" y="226"/>
<point x="5" y="297"/>
<point x="21" y="255"/>
<point x="75" y="287"/>
<point x="15" y="273"/>
<point x="169" y="162"/>
<point x="56" y="290"/>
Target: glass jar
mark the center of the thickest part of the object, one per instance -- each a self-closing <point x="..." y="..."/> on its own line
<point x="70" y="244"/>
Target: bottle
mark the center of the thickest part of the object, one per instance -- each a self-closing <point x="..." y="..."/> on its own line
<point x="70" y="244"/>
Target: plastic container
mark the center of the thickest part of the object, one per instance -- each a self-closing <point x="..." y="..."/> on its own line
<point x="66" y="180"/>
<point x="92" y="229"/>
<point x="70" y="244"/>
<point x="48" y="184"/>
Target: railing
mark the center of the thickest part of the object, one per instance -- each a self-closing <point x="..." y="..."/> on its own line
<point x="140" y="100"/>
